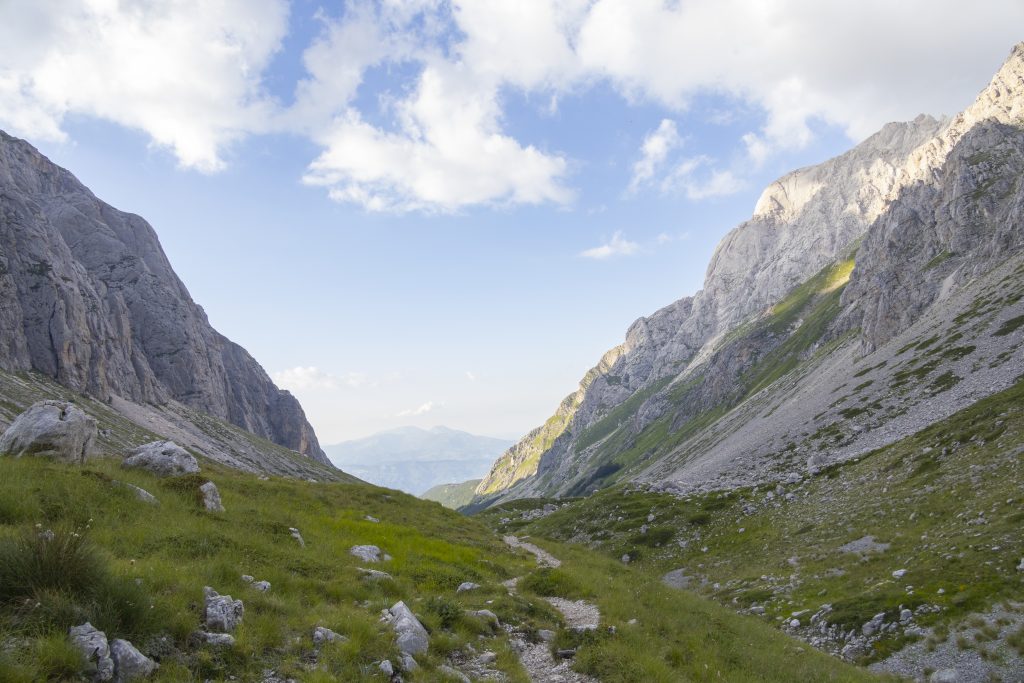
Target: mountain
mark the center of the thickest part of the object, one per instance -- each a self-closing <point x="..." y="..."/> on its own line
<point x="867" y="297"/>
<point x="414" y="459"/>
<point x="89" y="300"/>
<point x="452" y="495"/>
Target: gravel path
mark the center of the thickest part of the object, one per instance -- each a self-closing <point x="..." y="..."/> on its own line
<point x="536" y="658"/>
<point x="544" y="558"/>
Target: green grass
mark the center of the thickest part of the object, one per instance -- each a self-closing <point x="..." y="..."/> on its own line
<point x="663" y="635"/>
<point x="137" y="571"/>
<point x="923" y="495"/>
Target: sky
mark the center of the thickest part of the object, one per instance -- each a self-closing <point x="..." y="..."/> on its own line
<point x="422" y="212"/>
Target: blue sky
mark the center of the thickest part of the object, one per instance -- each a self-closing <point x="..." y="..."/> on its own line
<point x="419" y="212"/>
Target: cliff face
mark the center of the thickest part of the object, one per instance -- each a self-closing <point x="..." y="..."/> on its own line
<point x="88" y="297"/>
<point x="776" y="291"/>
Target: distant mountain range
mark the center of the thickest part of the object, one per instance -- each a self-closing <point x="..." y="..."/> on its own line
<point x="413" y="459"/>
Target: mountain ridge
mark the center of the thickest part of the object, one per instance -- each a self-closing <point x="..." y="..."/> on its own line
<point x="808" y="221"/>
<point x="89" y="298"/>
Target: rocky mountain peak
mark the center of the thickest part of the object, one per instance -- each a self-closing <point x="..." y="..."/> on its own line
<point x="88" y="298"/>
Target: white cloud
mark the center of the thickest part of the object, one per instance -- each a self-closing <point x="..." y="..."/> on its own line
<point x="421" y="410"/>
<point x="470" y="376"/>
<point x="691" y="178"/>
<point x="653" y="152"/>
<point x="310" y="377"/>
<point x="187" y="73"/>
<point x="191" y="75"/>
<point x="616" y="246"/>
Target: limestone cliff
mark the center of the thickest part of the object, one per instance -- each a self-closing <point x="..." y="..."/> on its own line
<point x="928" y="208"/>
<point x="88" y="297"/>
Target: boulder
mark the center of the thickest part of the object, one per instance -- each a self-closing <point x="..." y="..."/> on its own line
<point x="129" y="663"/>
<point x="211" y="497"/>
<point x="162" y="458"/>
<point x="220" y="612"/>
<point x="92" y="643"/>
<point x="366" y="553"/>
<point x="54" y="429"/>
<point x="412" y="637"/>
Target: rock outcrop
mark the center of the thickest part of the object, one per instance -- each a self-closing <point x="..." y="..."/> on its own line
<point x="88" y="297"/>
<point x="54" y="429"/>
<point x="92" y="643"/>
<point x="926" y="210"/>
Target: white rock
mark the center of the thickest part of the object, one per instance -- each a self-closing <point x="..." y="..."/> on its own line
<point x="467" y="586"/>
<point x="899" y="573"/>
<point x="129" y="663"/>
<point x="297" y="536"/>
<point x="262" y="586"/>
<point x="323" y="635"/>
<point x="366" y="553"/>
<point x="412" y="637"/>
<point x="221" y="613"/>
<point x="211" y="497"/>
<point x="386" y="668"/>
<point x="162" y="458"/>
<point x="55" y="429"/>
<point x="92" y="643"/>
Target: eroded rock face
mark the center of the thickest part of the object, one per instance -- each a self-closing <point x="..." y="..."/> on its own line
<point x="162" y="458"/>
<point x="88" y="297"/>
<point x="92" y="643"/>
<point x="55" y="429"/>
<point x="903" y="200"/>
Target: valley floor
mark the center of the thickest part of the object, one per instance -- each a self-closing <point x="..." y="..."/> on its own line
<point x="907" y="559"/>
<point x="77" y="545"/>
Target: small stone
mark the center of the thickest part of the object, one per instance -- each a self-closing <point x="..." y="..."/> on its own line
<point x="906" y="615"/>
<point x="453" y="673"/>
<point x="486" y="658"/>
<point x="794" y="623"/>
<point x="944" y="676"/>
<point x="247" y="578"/>
<point x="216" y="639"/>
<point x="386" y="668"/>
<point x="370" y="518"/>
<point x="467" y="586"/>
<point x="408" y="663"/>
<point x="297" y="536"/>
<point x="625" y="558"/>
<point x="262" y="586"/>
<point x="373" y="574"/>
<point x="323" y="635"/>
<point x="899" y="573"/>
<point x="548" y="636"/>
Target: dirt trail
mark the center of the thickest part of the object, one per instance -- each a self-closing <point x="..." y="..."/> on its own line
<point x="536" y="658"/>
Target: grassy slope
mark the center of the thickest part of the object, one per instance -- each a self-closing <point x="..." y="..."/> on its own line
<point x="452" y="495"/>
<point x="175" y="549"/>
<point x="947" y="499"/>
